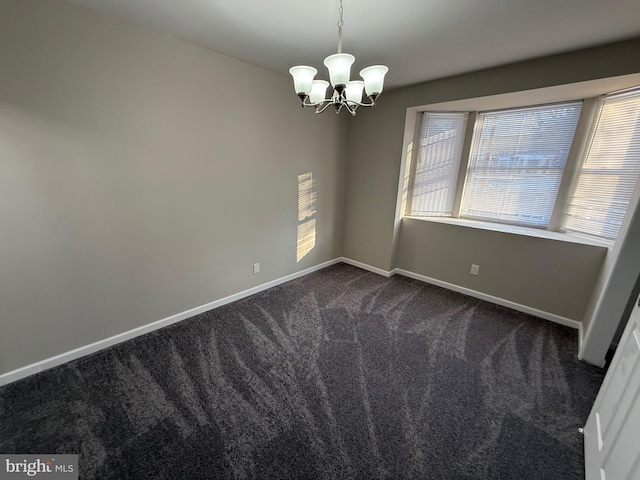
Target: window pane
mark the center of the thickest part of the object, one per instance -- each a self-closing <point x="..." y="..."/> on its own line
<point x="609" y="172"/>
<point x="438" y="161"/>
<point x="516" y="163"/>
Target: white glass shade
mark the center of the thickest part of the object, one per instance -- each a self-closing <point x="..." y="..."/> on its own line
<point x="302" y="78"/>
<point x="354" y="90"/>
<point x="339" y="65"/>
<point x="318" y="91"/>
<point x="374" y="79"/>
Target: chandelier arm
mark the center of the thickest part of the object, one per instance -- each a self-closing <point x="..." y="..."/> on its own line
<point x="307" y="103"/>
<point x="323" y="106"/>
<point x="372" y="100"/>
<point x="358" y="104"/>
<point x="337" y="99"/>
<point x="351" y="108"/>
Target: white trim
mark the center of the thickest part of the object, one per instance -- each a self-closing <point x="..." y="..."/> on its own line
<point x="600" y="364"/>
<point x="490" y="298"/>
<point x="568" y="322"/>
<point x="516" y="230"/>
<point x="74" y="354"/>
<point x="364" y="266"/>
<point x="580" y="337"/>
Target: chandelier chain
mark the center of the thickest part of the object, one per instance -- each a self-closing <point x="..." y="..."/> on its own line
<point x="340" y="25"/>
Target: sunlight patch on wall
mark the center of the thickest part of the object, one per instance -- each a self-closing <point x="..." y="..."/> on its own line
<point x="306" y="215"/>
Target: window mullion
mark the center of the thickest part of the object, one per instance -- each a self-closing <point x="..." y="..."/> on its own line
<point x="464" y="163"/>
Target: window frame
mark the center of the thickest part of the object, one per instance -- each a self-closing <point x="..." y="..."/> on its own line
<point x="561" y="170"/>
<point x="592" y="135"/>
<point x="592" y="102"/>
<point x="464" y="150"/>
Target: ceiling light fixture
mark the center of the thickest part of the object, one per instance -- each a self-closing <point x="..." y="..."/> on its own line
<point x="346" y="93"/>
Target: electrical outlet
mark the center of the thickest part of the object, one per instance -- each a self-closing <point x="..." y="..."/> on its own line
<point x="256" y="268"/>
<point x="475" y="269"/>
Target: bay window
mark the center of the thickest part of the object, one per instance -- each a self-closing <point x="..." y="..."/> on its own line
<point x="512" y="170"/>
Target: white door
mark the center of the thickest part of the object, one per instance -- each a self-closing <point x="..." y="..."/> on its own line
<point x="612" y="432"/>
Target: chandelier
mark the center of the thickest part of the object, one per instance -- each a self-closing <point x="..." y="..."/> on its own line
<point x="347" y="94"/>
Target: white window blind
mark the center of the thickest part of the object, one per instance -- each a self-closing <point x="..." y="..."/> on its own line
<point x="437" y="164"/>
<point x="516" y="163"/>
<point x="609" y="171"/>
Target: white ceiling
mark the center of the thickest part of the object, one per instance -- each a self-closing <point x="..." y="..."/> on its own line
<point x="417" y="39"/>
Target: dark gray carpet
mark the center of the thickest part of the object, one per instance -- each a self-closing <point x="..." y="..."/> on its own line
<point x="339" y="374"/>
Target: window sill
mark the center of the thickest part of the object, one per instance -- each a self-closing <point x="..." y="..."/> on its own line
<point x="516" y="230"/>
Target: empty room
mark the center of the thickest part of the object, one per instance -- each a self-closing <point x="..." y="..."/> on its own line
<point x="319" y="239"/>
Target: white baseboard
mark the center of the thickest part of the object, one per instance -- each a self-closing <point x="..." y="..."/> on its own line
<point x="40" y="366"/>
<point x="472" y="293"/>
<point x="490" y="298"/>
<point x="37" y="367"/>
<point x="364" y="266"/>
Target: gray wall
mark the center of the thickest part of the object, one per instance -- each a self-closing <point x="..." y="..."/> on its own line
<point x="551" y="275"/>
<point x="375" y="152"/>
<point x="142" y="176"/>
<point x="376" y="135"/>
